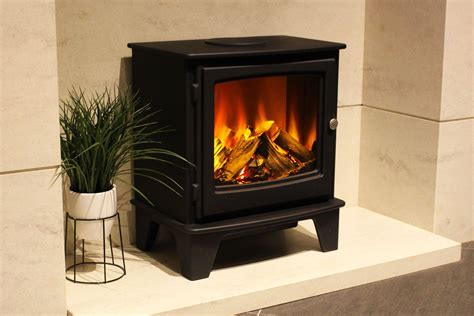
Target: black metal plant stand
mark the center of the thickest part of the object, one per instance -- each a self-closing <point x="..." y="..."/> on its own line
<point x="83" y="262"/>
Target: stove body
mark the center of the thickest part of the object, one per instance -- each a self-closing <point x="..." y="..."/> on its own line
<point x="257" y="117"/>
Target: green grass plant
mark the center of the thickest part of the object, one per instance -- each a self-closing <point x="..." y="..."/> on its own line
<point x="102" y="133"/>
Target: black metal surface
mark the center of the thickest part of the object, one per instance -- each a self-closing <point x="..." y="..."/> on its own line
<point x="104" y="262"/>
<point x="235" y="41"/>
<point x="163" y="82"/>
<point x="273" y="45"/>
<point x="197" y="244"/>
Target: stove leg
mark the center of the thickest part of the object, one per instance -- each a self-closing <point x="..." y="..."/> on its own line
<point x="146" y="230"/>
<point x="196" y="254"/>
<point x="327" y="228"/>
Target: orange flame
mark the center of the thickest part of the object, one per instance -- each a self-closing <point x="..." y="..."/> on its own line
<point x="251" y="103"/>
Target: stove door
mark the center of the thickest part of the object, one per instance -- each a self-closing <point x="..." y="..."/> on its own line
<point x="266" y="138"/>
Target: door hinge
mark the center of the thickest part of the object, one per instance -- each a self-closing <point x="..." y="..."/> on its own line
<point x="195" y="92"/>
<point x="195" y="190"/>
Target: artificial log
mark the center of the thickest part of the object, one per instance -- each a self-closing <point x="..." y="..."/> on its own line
<point x="268" y="127"/>
<point x="220" y="154"/>
<point x="263" y="153"/>
<point x="277" y="160"/>
<point x="238" y="158"/>
<point x="288" y="143"/>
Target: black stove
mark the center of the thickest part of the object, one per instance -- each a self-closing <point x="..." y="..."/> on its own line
<point x="257" y="118"/>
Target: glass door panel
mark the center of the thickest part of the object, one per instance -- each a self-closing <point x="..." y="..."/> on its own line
<point x="265" y="128"/>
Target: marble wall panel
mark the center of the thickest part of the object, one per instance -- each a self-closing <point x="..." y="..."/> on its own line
<point x="29" y="125"/>
<point x="454" y="204"/>
<point x="457" y="98"/>
<point x="91" y="43"/>
<point x="403" y="56"/>
<point x="31" y="245"/>
<point x="398" y="158"/>
<point x="348" y="154"/>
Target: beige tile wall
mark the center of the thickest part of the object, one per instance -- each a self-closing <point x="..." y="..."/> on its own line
<point x="31" y="237"/>
<point x="92" y="45"/>
<point x="456" y="98"/>
<point x="31" y="245"/>
<point x="454" y="204"/>
<point x="398" y="166"/>
<point x="416" y="136"/>
<point x="29" y="85"/>
<point x="403" y="56"/>
<point x="347" y="154"/>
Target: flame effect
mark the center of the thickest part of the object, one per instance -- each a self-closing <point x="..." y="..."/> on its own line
<point x="240" y="104"/>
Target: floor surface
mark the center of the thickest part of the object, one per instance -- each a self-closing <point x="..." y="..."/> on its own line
<point x="445" y="290"/>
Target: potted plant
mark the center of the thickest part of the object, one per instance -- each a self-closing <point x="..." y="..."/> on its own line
<point x="99" y="133"/>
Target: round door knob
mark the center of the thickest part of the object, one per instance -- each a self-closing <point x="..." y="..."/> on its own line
<point x="333" y="124"/>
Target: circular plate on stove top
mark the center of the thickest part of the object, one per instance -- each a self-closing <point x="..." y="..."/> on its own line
<point x="236" y="41"/>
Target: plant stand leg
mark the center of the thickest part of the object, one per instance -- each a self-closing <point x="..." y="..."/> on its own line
<point x="196" y="254"/>
<point x="146" y="230"/>
<point x="327" y="228"/>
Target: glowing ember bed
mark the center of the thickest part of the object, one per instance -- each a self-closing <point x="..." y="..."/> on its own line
<point x="257" y="118"/>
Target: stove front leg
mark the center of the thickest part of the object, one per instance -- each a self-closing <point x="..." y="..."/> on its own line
<point x="196" y="253"/>
<point x="327" y="228"/>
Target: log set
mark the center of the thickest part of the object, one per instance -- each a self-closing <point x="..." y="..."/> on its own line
<point x="263" y="153"/>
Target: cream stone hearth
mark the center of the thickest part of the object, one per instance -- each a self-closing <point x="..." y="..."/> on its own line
<point x="266" y="270"/>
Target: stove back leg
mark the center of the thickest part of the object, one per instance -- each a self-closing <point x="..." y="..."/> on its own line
<point x="146" y="230"/>
<point x="196" y="254"/>
<point x="327" y="228"/>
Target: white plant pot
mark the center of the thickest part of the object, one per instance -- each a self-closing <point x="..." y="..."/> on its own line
<point x="92" y="206"/>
